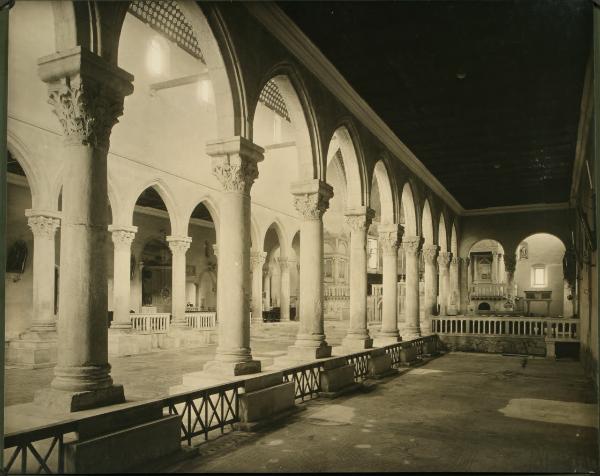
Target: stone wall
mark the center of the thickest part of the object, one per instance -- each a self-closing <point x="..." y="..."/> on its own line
<point x="495" y="345"/>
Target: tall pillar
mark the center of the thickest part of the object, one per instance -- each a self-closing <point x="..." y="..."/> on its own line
<point x="234" y="163"/>
<point x="431" y="291"/>
<point x="454" y="289"/>
<point x="510" y="263"/>
<point x="501" y="276"/>
<point x="43" y="224"/>
<point x="443" y="263"/>
<point x="178" y="246"/>
<point x="311" y="199"/>
<point x="389" y="238"/>
<point x="257" y="260"/>
<point x="267" y="287"/>
<point x="284" y="289"/>
<point x="494" y="267"/>
<point x="411" y="248"/>
<point x="357" y="337"/>
<point x="465" y="266"/>
<point x="86" y="93"/>
<point x="122" y="237"/>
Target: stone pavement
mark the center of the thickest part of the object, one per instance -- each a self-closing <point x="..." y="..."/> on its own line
<point x="460" y="412"/>
<point x="151" y="375"/>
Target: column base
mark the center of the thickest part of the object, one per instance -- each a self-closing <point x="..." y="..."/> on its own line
<point x="356" y="343"/>
<point x="43" y="327"/>
<point x="232" y="369"/>
<point x="63" y="401"/>
<point x="383" y="339"/>
<point x="306" y="353"/>
<point x="411" y="332"/>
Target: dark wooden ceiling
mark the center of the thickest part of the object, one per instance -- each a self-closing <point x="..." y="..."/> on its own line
<point x="486" y="94"/>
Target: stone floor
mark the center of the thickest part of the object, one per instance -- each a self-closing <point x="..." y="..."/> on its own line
<point x="460" y="412"/>
<point x="151" y="375"/>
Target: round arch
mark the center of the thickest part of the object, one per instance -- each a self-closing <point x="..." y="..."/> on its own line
<point x="311" y="163"/>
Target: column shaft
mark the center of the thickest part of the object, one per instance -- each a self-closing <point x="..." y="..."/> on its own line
<point x="179" y="246"/>
<point x="258" y="261"/>
<point x="311" y="199"/>
<point x="443" y="263"/>
<point x="122" y="238"/>
<point x="284" y="290"/>
<point x="44" y="228"/>
<point x="234" y="163"/>
<point x="357" y="337"/>
<point x="431" y="288"/>
<point x="411" y="248"/>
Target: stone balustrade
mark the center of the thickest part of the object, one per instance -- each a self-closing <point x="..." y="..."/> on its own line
<point x="151" y="323"/>
<point x="549" y="328"/>
<point x="201" y="320"/>
<point x="489" y="291"/>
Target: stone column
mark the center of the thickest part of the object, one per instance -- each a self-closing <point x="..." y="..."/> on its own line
<point x="431" y="287"/>
<point x="179" y="246"/>
<point x="122" y="237"/>
<point x="501" y="276"/>
<point x="311" y="199"/>
<point x="389" y="238"/>
<point x="465" y="266"/>
<point x="234" y="163"/>
<point x="43" y="224"/>
<point x="87" y="95"/>
<point x="257" y="260"/>
<point x="284" y="289"/>
<point x="453" y="302"/>
<point x="411" y="248"/>
<point x="267" y="287"/>
<point x="494" y="267"/>
<point x="443" y="263"/>
<point x="140" y="281"/>
<point x="357" y="337"/>
<point x="510" y="263"/>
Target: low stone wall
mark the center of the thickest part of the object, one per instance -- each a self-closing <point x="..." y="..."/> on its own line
<point x="495" y="344"/>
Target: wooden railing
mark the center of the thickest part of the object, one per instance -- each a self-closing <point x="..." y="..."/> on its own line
<point x="151" y="323"/>
<point x="550" y="328"/>
<point x="201" y="320"/>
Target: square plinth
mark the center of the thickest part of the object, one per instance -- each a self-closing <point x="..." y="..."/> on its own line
<point x="231" y="369"/>
<point x="62" y="401"/>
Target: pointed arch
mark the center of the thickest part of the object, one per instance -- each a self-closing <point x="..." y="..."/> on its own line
<point x="345" y="139"/>
<point x="387" y="195"/>
<point x="281" y="237"/>
<point x="167" y="197"/>
<point x="427" y="223"/>
<point x="454" y="241"/>
<point x="442" y="233"/>
<point x="409" y="208"/>
<point x="311" y="160"/>
<point x="20" y="152"/>
<point x="210" y="205"/>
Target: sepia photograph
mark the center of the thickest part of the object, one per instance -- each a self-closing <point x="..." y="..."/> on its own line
<point x="299" y="236"/>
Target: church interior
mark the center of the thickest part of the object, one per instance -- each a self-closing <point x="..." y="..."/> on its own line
<point x="238" y="233"/>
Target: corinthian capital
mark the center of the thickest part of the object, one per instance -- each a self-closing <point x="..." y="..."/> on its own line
<point x="411" y="245"/>
<point x="359" y="219"/>
<point x="179" y="244"/>
<point x="257" y="259"/>
<point x="430" y="253"/>
<point x="234" y="163"/>
<point x="444" y="259"/>
<point x="311" y="198"/>
<point x="122" y="236"/>
<point x="86" y="94"/>
<point x="389" y="238"/>
<point x="43" y="224"/>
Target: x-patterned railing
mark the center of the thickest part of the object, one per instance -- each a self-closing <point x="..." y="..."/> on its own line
<point x="306" y="378"/>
